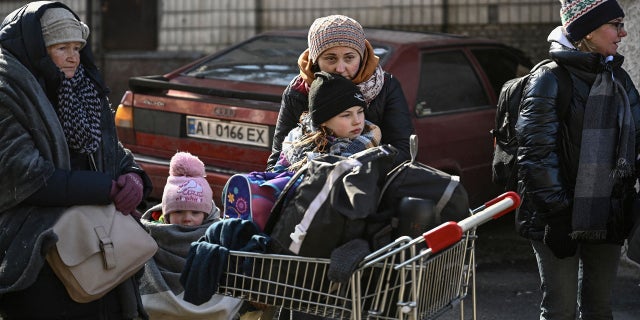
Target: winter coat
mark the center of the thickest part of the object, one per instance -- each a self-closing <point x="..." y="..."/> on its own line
<point x="549" y="147"/>
<point x="388" y="111"/>
<point x="36" y="157"/>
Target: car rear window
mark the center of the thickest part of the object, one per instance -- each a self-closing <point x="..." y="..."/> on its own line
<point x="499" y="65"/>
<point x="448" y="83"/>
<point x="266" y="59"/>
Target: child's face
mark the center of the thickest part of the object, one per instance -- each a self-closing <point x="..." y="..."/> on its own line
<point x="187" y="217"/>
<point x="347" y="124"/>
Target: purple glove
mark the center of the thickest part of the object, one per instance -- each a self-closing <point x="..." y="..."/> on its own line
<point x="129" y="194"/>
<point x="114" y="190"/>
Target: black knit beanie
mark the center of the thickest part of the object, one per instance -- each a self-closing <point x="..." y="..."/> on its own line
<point x="331" y="94"/>
<point x="580" y="17"/>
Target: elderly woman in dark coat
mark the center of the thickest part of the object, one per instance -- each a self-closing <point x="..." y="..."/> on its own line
<point x="58" y="148"/>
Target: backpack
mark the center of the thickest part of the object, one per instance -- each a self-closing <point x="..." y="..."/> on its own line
<point x="251" y="196"/>
<point x="503" y="168"/>
<point x="332" y="198"/>
<point x="416" y="198"/>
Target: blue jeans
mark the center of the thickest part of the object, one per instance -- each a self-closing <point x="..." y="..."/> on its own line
<point x="585" y="279"/>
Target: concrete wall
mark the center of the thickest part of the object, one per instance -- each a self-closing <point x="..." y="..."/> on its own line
<point x="192" y="28"/>
<point x="208" y="26"/>
<point x="630" y="47"/>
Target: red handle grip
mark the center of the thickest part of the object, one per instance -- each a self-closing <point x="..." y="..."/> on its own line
<point x="443" y="236"/>
<point x="509" y="194"/>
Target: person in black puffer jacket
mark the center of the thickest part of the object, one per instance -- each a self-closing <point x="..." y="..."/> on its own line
<point x="337" y="44"/>
<point x="576" y="172"/>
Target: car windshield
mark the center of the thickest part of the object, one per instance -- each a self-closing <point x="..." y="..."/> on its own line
<point x="265" y="60"/>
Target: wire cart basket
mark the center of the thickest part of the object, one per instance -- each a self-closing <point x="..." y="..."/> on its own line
<point x="417" y="278"/>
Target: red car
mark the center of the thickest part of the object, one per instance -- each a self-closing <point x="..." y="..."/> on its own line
<point x="223" y="107"/>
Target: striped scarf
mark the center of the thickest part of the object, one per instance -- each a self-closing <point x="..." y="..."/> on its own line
<point x="79" y="110"/>
<point x="607" y="155"/>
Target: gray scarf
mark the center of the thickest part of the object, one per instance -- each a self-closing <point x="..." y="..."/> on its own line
<point x="606" y="155"/>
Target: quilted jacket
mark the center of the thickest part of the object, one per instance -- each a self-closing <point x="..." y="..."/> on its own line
<point x="549" y="147"/>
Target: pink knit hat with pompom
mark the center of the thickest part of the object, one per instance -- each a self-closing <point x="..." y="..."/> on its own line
<point x="186" y="188"/>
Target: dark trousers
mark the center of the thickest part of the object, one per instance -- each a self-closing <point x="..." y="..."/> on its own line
<point x="584" y="280"/>
<point x="47" y="299"/>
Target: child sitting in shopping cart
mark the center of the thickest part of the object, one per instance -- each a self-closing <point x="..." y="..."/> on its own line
<point x="186" y="211"/>
<point x="335" y="124"/>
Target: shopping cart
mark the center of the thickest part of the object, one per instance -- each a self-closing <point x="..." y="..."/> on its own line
<point x="417" y="278"/>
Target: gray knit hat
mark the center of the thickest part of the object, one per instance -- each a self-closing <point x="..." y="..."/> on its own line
<point x="580" y="17"/>
<point x="59" y="26"/>
<point x="335" y="31"/>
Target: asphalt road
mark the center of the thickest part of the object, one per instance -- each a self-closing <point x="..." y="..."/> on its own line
<point x="507" y="282"/>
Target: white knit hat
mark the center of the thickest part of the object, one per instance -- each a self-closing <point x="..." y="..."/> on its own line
<point x="59" y="26"/>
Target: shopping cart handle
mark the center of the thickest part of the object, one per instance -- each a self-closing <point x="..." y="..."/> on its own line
<point x="509" y="194"/>
<point x="499" y="207"/>
<point x="443" y="236"/>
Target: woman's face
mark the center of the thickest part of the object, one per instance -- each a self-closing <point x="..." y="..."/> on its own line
<point x="344" y="61"/>
<point x="606" y="38"/>
<point x="187" y="217"/>
<point x="347" y="124"/>
<point x="66" y="56"/>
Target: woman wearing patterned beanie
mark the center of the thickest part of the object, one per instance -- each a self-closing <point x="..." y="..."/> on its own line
<point x="59" y="148"/>
<point x="577" y="167"/>
<point x="337" y="44"/>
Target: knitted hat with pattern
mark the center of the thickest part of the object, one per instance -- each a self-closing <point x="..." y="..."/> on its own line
<point x="335" y="31"/>
<point x="330" y="94"/>
<point x="186" y="188"/>
<point x="59" y="25"/>
<point x="580" y="17"/>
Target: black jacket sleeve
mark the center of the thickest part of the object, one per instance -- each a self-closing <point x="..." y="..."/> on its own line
<point x="293" y="104"/>
<point x="77" y="187"/>
<point x="390" y="111"/>
<point x="538" y="131"/>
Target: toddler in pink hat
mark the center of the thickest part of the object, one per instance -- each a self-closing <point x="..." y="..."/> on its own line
<point x="187" y="198"/>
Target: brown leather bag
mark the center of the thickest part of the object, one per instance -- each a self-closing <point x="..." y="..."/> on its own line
<point x="97" y="249"/>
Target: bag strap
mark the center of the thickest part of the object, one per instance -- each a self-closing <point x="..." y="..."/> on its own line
<point x="565" y="86"/>
<point x="106" y="246"/>
<point x="446" y="196"/>
<point x="413" y="152"/>
<point x="301" y="228"/>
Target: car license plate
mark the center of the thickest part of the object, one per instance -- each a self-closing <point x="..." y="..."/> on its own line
<point x="228" y="131"/>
